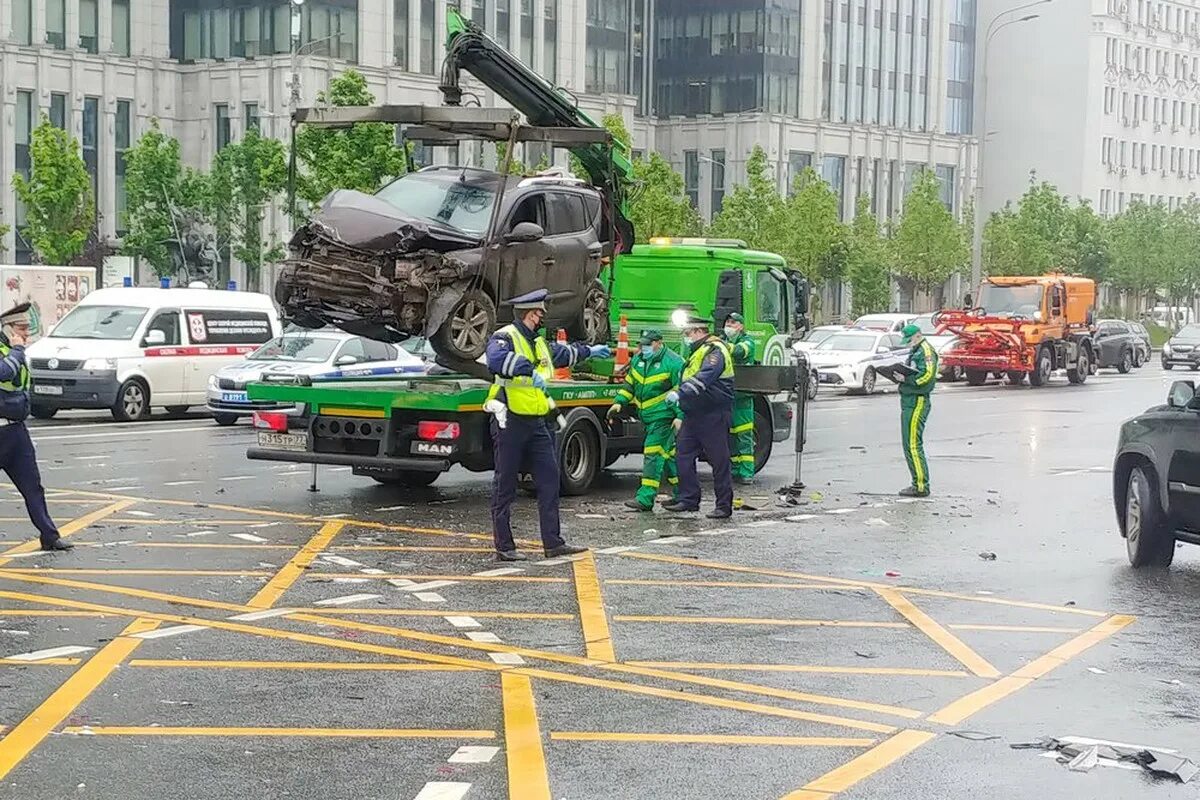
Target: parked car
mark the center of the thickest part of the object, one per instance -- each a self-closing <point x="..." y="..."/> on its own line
<point x="1117" y="345"/>
<point x="1145" y="346"/>
<point x="817" y="335"/>
<point x="1183" y="348"/>
<point x="940" y="342"/>
<point x="849" y="359"/>
<point x="317" y="355"/>
<point x="1156" y="478"/>
<point x="887" y="323"/>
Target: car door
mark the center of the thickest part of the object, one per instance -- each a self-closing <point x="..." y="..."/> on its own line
<point x="1182" y="437"/>
<point x="524" y="265"/>
<point x="165" y="364"/>
<point x="1109" y="343"/>
<point x="575" y="249"/>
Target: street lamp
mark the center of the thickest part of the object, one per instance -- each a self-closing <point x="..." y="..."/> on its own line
<point x="993" y="28"/>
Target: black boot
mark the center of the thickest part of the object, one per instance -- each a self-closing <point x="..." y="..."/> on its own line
<point x="636" y="506"/>
<point x="719" y="513"/>
<point x="912" y="491"/>
<point x="58" y="544"/>
<point x="510" y="555"/>
<point x="565" y="550"/>
<point x="677" y="507"/>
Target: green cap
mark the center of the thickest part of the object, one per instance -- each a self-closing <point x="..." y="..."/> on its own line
<point x="909" y="331"/>
<point x="736" y="317"/>
<point x="649" y="336"/>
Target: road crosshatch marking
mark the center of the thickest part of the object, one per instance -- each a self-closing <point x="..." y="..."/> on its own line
<point x="256" y="606"/>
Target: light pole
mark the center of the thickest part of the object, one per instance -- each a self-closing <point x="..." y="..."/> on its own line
<point x="977" y="233"/>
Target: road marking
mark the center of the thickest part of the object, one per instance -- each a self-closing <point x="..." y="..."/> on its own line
<point x="620" y="549"/>
<point x="350" y="733"/>
<point x="392" y="508"/>
<point x="400" y="583"/>
<point x="29" y="732"/>
<point x="498" y="572"/>
<point x="430" y="586"/>
<point x="53" y="652"/>
<point x="443" y="790"/>
<point x="688" y="584"/>
<point x="351" y="580"/>
<point x="290" y="572"/>
<point x="162" y="633"/>
<point x="463" y="622"/>
<point x="208" y="573"/>
<point x="592" y="617"/>
<point x="483" y="636"/>
<point x="705" y="665"/>
<point x="409" y="612"/>
<point x="115" y="434"/>
<point x="238" y="478"/>
<point x="373" y="571"/>
<point x="348" y="666"/>
<point x="181" y="483"/>
<point x="1013" y="628"/>
<point x="527" y="777"/>
<point x="694" y="738"/>
<point x="841" y="511"/>
<point x="342" y="561"/>
<point x="254" y="616"/>
<point x="940" y="636"/>
<point x="473" y="754"/>
<point x="509" y="659"/>
<point x="429" y="597"/>
<point x="41" y="612"/>
<point x="670" y="540"/>
<point x="964" y="707"/>
<point x="249" y="537"/>
<point x="45" y="662"/>
<point x="347" y="599"/>
<point x="804" y="623"/>
<point x="456" y="578"/>
<point x="800" y="517"/>
<point x="136" y="513"/>
<point x="70" y="528"/>
<point x="881" y="755"/>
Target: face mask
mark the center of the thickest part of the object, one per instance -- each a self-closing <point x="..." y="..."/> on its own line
<point x="730" y="332"/>
<point x="647" y="350"/>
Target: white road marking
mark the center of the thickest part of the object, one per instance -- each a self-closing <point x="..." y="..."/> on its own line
<point x="53" y="652"/>
<point x="341" y="561"/>
<point x="761" y="523"/>
<point x="483" y="636"/>
<point x="801" y="517"/>
<point x="670" y="540"/>
<point x="200" y="533"/>
<point x="511" y="659"/>
<point x="239" y="478"/>
<point x="429" y="597"/>
<point x="473" y="754"/>
<point x="443" y="790"/>
<point x="266" y="613"/>
<point x="841" y="511"/>
<point x="463" y="622"/>
<point x="90" y="458"/>
<point x="333" y="516"/>
<point x="113" y="434"/>
<point x="400" y="583"/>
<point x="139" y="513"/>
<point x="346" y="600"/>
<point x="373" y="571"/>
<point x="181" y="483"/>
<point x="351" y="580"/>
<point x="716" y="532"/>
<point x="174" y="630"/>
<point x="495" y="573"/>
<point x="621" y="549"/>
<point x="392" y="508"/>
<point x="429" y="586"/>
<point x="247" y="537"/>
<point x="33" y="554"/>
<point x="122" y="488"/>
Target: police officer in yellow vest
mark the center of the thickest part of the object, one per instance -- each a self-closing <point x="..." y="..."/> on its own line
<point x="17" y="456"/>
<point x="523" y="363"/>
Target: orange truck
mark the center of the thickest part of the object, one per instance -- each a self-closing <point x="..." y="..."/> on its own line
<point x="1024" y="326"/>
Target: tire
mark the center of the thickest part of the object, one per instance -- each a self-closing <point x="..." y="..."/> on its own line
<point x="868" y="382"/>
<point x="1149" y="541"/>
<point x="763" y="440"/>
<point x="1195" y="367"/>
<point x="465" y="332"/>
<point x="579" y="458"/>
<point x="1126" y="363"/>
<point x="225" y="420"/>
<point x="42" y="412"/>
<point x="1138" y="359"/>
<point x="1043" y="366"/>
<point x="1015" y="378"/>
<point x="1168" y="366"/>
<point x="410" y="478"/>
<point x="593" y="323"/>
<point x="976" y="377"/>
<point x="952" y="375"/>
<point x="177" y="411"/>
<point x="1082" y="370"/>
<point x="814" y="383"/>
<point x="133" y="401"/>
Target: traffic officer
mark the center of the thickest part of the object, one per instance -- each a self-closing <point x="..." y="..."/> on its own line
<point x="652" y="375"/>
<point x="706" y="398"/>
<point x="915" y="390"/>
<point x="17" y="456"/>
<point x="742" y="347"/>
<point x="522" y="364"/>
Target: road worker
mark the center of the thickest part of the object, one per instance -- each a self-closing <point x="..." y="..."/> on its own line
<point x="742" y="430"/>
<point x="915" y="390"/>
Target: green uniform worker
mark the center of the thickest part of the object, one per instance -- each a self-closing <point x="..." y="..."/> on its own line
<point x="742" y="452"/>
<point x="915" y="390"/>
<point x="653" y="374"/>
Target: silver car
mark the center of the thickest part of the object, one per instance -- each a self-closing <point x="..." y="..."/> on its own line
<point x="317" y="355"/>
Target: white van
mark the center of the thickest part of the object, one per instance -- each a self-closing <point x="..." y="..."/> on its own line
<point x="129" y="349"/>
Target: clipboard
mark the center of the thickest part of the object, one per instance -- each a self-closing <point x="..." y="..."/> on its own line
<point x="896" y="372"/>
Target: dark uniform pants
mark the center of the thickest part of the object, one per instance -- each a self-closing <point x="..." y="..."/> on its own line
<point x="705" y="433"/>
<point x="914" y="411"/>
<point x="524" y="445"/>
<point x="19" y="460"/>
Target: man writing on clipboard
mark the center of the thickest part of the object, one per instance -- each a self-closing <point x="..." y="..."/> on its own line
<point x="916" y="379"/>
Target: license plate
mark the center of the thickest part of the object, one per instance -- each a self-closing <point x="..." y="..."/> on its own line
<point x="234" y="397"/>
<point x="283" y="441"/>
<point x="40" y="389"/>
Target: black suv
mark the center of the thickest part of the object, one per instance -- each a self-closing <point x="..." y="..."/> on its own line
<point x="436" y="253"/>
<point x="1156" y="478"/>
<point x="1117" y="345"/>
<point x="1183" y="349"/>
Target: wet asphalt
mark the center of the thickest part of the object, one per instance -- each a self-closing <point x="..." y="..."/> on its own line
<point x="791" y="653"/>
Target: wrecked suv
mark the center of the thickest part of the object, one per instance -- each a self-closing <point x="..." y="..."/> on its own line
<point x="436" y="253"/>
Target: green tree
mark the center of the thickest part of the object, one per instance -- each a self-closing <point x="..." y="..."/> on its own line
<point x="614" y="124"/>
<point x="1141" y="252"/>
<point x="929" y="244"/>
<point x="361" y="157"/>
<point x="661" y="207"/>
<point x="246" y="177"/>
<point x="1088" y="250"/>
<point x="867" y="262"/>
<point x="810" y="233"/>
<point x="4" y="229"/>
<point x="60" y="210"/>
<point x="753" y="211"/>
<point x="1044" y="232"/>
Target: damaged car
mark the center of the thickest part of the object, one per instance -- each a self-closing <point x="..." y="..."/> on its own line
<point x="435" y="254"/>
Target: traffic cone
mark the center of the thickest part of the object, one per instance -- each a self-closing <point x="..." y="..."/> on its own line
<point x="622" y="362"/>
<point x="562" y="373"/>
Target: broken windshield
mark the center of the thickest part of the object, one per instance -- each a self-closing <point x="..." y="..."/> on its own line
<point x="1013" y="301"/>
<point x="459" y="199"/>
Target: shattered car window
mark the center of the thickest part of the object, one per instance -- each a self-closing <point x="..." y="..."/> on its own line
<point x="459" y="199"/>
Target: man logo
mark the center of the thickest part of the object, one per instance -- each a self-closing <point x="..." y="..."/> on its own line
<point x="52" y="363"/>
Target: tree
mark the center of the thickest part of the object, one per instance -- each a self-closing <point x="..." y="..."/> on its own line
<point x="4" y="229"/>
<point x="1141" y="254"/>
<point x="929" y="245"/>
<point x="1044" y="233"/>
<point x="866" y="267"/>
<point x="1088" y="246"/>
<point x="662" y="207"/>
<point x="810" y="234"/>
<point x="246" y="177"/>
<point x="60" y="210"/>
<point x="361" y="157"/>
<point x="753" y="210"/>
<point x="615" y="125"/>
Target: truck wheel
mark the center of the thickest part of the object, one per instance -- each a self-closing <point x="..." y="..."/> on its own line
<point x="1082" y="368"/>
<point x="764" y="440"/>
<point x="465" y="332"/>
<point x="410" y="478"/>
<point x="42" y="412"/>
<point x="1126" y="363"/>
<point x="1148" y="539"/>
<point x="976" y="377"/>
<point x="593" y="324"/>
<point x="579" y="458"/>
<point x="1043" y="366"/>
<point x="1015" y="378"/>
<point x="133" y="401"/>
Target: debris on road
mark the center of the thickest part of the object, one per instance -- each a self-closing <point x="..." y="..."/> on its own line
<point x="1096" y="671"/>
<point x="974" y="736"/>
<point x="988" y="555"/>
<point x="878" y="522"/>
<point x="1082" y="755"/>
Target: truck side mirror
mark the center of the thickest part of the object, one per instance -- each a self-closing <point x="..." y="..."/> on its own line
<point x="968" y="301"/>
<point x="524" y="232"/>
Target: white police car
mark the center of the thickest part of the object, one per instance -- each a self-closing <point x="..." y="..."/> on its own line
<point x="320" y="355"/>
<point x="851" y="358"/>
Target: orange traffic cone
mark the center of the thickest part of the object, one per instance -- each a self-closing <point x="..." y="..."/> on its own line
<point x="622" y="362"/>
<point x="562" y="373"/>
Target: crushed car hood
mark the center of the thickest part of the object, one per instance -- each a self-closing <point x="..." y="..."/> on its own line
<point x="363" y="222"/>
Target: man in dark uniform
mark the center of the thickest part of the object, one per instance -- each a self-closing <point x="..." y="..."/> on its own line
<point x="523" y="364"/>
<point x="915" y="390"/>
<point x="17" y="456"/>
<point x="706" y="398"/>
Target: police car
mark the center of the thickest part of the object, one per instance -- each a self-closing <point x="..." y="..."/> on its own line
<point x="852" y="358"/>
<point x="321" y="355"/>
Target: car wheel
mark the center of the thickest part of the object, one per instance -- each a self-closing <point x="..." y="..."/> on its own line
<point x="42" y="412"/>
<point x="1126" y="363"/>
<point x="1015" y="378"/>
<point x="225" y="420"/>
<point x="133" y="401"/>
<point x="593" y="325"/>
<point x="868" y="382"/>
<point x="410" y="478"/>
<point x="1168" y="366"/>
<point x="579" y="458"/>
<point x="814" y="383"/>
<point x="976" y="377"/>
<point x="464" y="334"/>
<point x="1148" y="540"/>
<point x="1138" y="359"/>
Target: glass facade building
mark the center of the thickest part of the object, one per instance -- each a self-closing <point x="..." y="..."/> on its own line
<point x="960" y="67"/>
<point x="220" y="29"/>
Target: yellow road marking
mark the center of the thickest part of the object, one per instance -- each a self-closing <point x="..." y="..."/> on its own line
<point x="703" y="738"/>
<point x="463" y="578"/>
<point x="412" y="548"/>
<point x="677" y="584"/>
<point x="881" y="755"/>
<point x="900" y="671"/>
<point x="527" y="778"/>
<point x="145" y="594"/>
<point x="348" y="666"/>
<point x="592" y="617"/>
<point x="214" y="523"/>
<point x="816" y="623"/>
<point x="199" y="573"/>
<point x="964" y="707"/>
<point x="1013" y="628"/>
<point x="29" y="732"/>
<point x="42" y="612"/>
<point x="1002" y="602"/>
<point x="268" y="595"/>
<point x="45" y="662"/>
<point x="72" y="527"/>
<point x="349" y="733"/>
<point x="406" y="612"/>
<point x="940" y="636"/>
<point x="828" y="582"/>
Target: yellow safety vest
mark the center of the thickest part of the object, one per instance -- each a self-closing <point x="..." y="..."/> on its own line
<point x="698" y="355"/>
<point x="22" y="382"/>
<point x="522" y="397"/>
